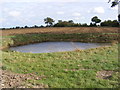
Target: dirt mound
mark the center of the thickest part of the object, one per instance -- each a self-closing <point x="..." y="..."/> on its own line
<point x="14" y="80"/>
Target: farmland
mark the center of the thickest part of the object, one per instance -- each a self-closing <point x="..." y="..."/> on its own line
<point x="63" y="30"/>
<point x="91" y="68"/>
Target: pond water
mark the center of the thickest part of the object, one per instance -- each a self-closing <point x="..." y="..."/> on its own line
<point x="47" y="47"/>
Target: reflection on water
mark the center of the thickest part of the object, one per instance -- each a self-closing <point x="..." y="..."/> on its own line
<point x="47" y="47"/>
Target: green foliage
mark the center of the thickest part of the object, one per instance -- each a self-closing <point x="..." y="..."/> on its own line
<point x="61" y="23"/>
<point x="49" y="21"/>
<point x="84" y="25"/>
<point x="69" y="23"/>
<point x="92" y="25"/>
<point x="26" y="27"/>
<point x="110" y="23"/>
<point x="96" y="20"/>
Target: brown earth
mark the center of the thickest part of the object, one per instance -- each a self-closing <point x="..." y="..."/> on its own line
<point x="10" y="80"/>
<point x="105" y="74"/>
<point x="62" y="30"/>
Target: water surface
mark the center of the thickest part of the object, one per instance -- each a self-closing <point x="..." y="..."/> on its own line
<point x="47" y="47"/>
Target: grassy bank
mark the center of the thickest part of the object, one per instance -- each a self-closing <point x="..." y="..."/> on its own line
<point x="17" y="40"/>
<point x="92" y="68"/>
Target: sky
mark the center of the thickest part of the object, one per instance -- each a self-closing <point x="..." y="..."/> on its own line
<point x="32" y="12"/>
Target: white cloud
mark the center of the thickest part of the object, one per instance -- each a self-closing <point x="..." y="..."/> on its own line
<point x="60" y="12"/>
<point x="97" y="10"/>
<point x="76" y="14"/>
<point x="14" y="13"/>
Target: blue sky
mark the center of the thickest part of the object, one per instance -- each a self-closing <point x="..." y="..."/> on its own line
<point x="32" y="12"/>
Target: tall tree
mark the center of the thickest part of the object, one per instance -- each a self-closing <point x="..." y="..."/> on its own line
<point x="96" y="20"/>
<point x="49" y="21"/>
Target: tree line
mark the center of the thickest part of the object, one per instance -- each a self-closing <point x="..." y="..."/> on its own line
<point x="95" y="22"/>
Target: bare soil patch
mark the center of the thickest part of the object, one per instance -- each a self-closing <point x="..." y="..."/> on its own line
<point x="61" y="30"/>
<point x="10" y="80"/>
<point x="105" y="74"/>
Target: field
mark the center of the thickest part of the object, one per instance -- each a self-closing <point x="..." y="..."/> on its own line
<point x="92" y="68"/>
<point x="63" y="30"/>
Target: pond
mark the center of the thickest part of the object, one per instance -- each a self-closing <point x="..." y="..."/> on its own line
<point x="48" y="47"/>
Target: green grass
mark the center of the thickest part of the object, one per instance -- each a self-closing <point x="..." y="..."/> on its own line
<point x="74" y="69"/>
<point x="80" y="37"/>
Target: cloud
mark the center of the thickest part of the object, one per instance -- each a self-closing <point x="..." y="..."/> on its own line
<point x="97" y="10"/>
<point x="76" y="14"/>
<point x="60" y="12"/>
<point x="14" y="13"/>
